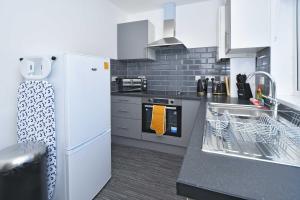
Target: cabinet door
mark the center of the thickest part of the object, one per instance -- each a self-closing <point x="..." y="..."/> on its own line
<point x="126" y="100"/>
<point x="250" y="23"/>
<point x="129" y="128"/>
<point x="221" y="34"/>
<point x="130" y="111"/>
<point x="189" y="114"/>
<point x="227" y="26"/>
<point x="133" y="40"/>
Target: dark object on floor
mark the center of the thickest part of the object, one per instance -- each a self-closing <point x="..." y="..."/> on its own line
<point x="139" y="174"/>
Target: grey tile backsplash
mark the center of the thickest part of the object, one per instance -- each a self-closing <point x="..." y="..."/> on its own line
<point x="174" y="69"/>
<point x="263" y="60"/>
<point x="263" y="63"/>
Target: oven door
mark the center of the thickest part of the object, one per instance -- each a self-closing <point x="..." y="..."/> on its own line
<point x="173" y="119"/>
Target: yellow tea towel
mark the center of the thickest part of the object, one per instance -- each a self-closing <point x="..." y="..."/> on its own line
<point x="158" y="122"/>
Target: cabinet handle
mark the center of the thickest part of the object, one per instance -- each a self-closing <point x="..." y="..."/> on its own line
<point x="122" y="128"/>
<point x="227" y="42"/>
<point x="123" y="111"/>
<point x="123" y="100"/>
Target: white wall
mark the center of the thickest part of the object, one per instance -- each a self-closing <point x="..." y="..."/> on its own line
<point x="283" y="52"/>
<point x="36" y="27"/>
<point x="196" y="24"/>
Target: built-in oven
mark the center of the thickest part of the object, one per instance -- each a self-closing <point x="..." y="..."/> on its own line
<point x="173" y="115"/>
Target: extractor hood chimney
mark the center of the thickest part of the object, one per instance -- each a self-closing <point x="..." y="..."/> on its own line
<point x="169" y="33"/>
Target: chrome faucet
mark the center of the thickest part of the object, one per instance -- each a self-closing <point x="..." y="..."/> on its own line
<point x="273" y="97"/>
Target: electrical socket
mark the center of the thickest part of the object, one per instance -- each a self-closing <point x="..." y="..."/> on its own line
<point x="197" y="78"/>
<point x="210" y="77"/>
<point x="113" y="78"/>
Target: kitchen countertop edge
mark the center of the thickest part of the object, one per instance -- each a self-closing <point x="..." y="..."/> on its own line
<point x="185" y="96"/>
<point x="201" y="175"/>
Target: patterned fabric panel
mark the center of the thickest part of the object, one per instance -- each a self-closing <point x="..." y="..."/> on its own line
<point x="36" y="121"/>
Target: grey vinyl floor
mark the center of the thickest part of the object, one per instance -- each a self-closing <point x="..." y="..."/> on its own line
<point x="139" y="174"/>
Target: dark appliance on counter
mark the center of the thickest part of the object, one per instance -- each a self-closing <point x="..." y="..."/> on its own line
<point x="205" y="85"/>
<point x="200" y="89"/>
<point x="137" y="84"/>
<point x="218" y="87"/>
<point x="173" y="115"/>
<point x="244" y="89"/>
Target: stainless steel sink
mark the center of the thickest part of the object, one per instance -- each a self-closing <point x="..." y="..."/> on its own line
<point x="238" y="110"/>
<point x="251" y="132"/>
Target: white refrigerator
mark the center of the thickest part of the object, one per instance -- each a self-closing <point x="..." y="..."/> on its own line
<point x="83" y="125"/>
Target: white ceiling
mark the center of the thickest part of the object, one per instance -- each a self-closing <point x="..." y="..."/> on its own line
<point x="135" y="6"/>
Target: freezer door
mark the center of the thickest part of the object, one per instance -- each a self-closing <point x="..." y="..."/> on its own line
<point x="87" y="98"/>
<point x="89" y="168"/>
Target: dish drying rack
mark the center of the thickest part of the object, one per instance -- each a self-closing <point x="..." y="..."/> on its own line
<point x="262" y="137"/>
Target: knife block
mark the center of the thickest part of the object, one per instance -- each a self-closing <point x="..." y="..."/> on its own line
<point x="244" y="91"/>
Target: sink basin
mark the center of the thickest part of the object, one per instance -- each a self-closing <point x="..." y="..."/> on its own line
<point x="251" y="132"/>
<point x="238" y="110"/>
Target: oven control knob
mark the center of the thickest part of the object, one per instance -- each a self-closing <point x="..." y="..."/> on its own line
<point x="150" y="100"/>
<point x="172" y="101"/>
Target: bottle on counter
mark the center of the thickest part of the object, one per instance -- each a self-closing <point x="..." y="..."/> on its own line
<point x="259" y="89"/>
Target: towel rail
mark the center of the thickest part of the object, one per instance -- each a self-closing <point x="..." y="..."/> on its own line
<point x="167" y="107"/>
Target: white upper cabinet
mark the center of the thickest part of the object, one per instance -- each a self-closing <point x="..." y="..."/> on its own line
<point x="247" y="25"/>
<point x="221" y="34"/>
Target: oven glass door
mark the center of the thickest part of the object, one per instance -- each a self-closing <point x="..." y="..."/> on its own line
<point x="173" y="120"/>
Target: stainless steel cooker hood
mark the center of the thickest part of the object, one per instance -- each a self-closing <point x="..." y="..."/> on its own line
<point x="169" y="33"/>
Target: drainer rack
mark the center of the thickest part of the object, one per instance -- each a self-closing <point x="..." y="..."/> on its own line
<point x="260" y="137"/>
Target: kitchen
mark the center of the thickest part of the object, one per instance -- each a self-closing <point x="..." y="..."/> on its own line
<point x="182" y="74"/>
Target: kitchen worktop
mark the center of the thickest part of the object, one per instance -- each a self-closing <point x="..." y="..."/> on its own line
<point x="212" y="176"/>
<point x="169" y="94"/>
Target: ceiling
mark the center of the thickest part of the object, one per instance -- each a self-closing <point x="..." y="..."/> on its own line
<point x="135" y="6"/>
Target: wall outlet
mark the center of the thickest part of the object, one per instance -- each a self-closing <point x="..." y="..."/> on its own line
<point x="210" y="77"/>
<point x="197" y="78"/>
<point x="114" y="78"/>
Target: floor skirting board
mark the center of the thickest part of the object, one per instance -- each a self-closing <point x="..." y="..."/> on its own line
<point x="160" y="147"/>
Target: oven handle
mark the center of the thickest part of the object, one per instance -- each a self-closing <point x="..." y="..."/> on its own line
<point x="168" y="108"/>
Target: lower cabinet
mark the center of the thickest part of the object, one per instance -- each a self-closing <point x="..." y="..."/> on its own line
<point x="127" y="121"/>
<point x="126" y="117"/>
<point x="130" y="128"/>
<point x="190" y="109"/>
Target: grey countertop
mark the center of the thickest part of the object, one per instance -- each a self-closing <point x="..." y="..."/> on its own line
<point x="182" y="95"/>
<point x="212" y="176"/>
<point x="162" y="94"/>
<point x="206" y="175"/>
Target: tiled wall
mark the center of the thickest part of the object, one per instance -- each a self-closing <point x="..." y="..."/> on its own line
<point x="263" y="64"/>
<point x="174" y="69"/>
<point x="263" y="60"/>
